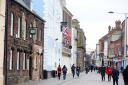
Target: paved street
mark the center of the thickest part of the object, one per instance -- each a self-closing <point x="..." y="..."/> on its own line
<point x="92" y="78"/>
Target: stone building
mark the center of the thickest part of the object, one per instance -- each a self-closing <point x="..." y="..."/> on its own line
<point x="24" y="52"/>
<point x="111" y="46"/>
<point x="81" y="48"/>
<point x="2" y="32"/>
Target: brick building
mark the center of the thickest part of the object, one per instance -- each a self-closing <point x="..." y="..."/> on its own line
<point x="24" y="52"/>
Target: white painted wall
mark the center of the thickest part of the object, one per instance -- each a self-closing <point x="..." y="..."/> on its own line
<point x="2" y="31"/>
<point x="52" y="47"/>
<point x="105" y="48"/>
<point x="74" y="46"/>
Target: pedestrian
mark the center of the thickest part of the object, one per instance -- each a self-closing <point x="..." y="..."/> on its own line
<point x="102" y="72"/>
<point x="122" y="69"/>
<point x="59" y="71"/>
<point x="78" y="71"/>
<point x="64" y="69"/>
<point x="109" y="72"/>
<point x="86" y="69"/>
<point x="73" y="70"/>
<point x="91" y="67"/>
<point x="125" y="75"/>
<point x="115" y="75"/>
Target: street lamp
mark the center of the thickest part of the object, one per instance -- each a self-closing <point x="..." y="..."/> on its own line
<point x="125" y="31"/>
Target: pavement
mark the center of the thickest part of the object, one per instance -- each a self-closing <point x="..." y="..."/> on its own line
<point x="92" y="78"/>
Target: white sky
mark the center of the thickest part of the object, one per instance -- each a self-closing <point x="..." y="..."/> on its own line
<point x="94" y="17"/>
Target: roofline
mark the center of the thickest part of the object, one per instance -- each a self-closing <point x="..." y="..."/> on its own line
<point x="65" y="9"/>
<point x="30" y="11"/>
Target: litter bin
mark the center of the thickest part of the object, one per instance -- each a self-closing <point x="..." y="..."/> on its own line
<point x="45" y="74"/>
<point x="53" y="73"/>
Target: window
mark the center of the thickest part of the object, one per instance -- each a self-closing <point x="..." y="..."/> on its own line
<point x="19" y="27"/>
<point x="30" y="27"/>
<point x="12" y="24"/>
<point x="24" y="30"/>
<point x="18" y="60"/>
<point x="10" y="60"/>
<point x="24" y="61"/>
<point x="39" y="37"/>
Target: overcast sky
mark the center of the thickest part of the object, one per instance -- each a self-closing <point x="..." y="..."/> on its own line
<point x="94" y="17"/>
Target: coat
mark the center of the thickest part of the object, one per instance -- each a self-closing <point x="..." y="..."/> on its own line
<point x="102" y="71"/>
<point x="115" y="74"/>
<point x="125" y="76"/>
<point x="109" y="70"/>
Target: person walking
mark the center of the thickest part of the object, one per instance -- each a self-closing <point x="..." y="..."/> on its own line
<point x="115" y="75"/>
<point x="73" y="70"/>
<point x="64" y="69"/>
<point x="109" y="72"/>
<point x="102" y="71"/>
<point x="78" y="71"/>
<point x="59" y="71"/>
<point x="86" y="69"/>
<point x="125" y="75"/>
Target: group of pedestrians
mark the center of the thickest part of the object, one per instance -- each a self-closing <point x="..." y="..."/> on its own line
<point x="64" y="70"/>
<point x="114" y="73"/>
<point x="111" y="72"/>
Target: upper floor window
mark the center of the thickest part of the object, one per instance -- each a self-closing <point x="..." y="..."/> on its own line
<point x="24" y="30"/>
<point x="19" y="27"/>
<point x="39" y="35"/>
<point x="12" y="24"/>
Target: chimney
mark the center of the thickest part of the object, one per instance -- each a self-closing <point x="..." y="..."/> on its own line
<point x="109" y="28"/>
<point x="118" y="24"/>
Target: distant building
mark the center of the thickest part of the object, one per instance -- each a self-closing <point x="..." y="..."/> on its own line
<point x="111" y="46"/>
<point x="25" y="31"/>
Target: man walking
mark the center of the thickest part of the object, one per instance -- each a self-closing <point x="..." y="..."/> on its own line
<point x="73" y="70"/>
<point x="125" y="75"/>
<point x="115" y="75"/>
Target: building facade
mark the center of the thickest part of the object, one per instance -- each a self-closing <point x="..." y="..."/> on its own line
<point x="51" y="11"/>
<point x="66" y="38"/>
<point x="75" y="25"/>
<point x="2" y="33"/>
<point x="24" y="57"/>
<point x="111" y="46"/>
<point x="81" y="48"/>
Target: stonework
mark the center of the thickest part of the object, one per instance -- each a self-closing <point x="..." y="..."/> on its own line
<point x="21" y="69"/>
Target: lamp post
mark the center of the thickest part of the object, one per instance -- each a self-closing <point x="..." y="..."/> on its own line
<point x="125" y="32"/>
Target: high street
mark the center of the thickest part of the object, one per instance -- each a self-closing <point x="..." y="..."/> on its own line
<point x="92" y="78"/>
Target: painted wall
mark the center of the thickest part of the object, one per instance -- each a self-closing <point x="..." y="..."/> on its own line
<point x="2" y="30"/>
<point x="74" y="46"/>
<point x="51" y="12"/>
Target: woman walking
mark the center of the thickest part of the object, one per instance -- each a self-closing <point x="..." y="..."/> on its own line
<point x="64" y="69"/>
<point x="59" y="72"/>
<point x="78" y="71"/>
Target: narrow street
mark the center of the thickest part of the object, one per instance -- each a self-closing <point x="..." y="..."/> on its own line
<point x="92" y="78"/>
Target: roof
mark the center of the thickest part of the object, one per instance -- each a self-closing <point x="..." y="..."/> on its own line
<point x="65" y="9"/>
<point x="110" y="33"/>
<point x="20" y="2"/>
